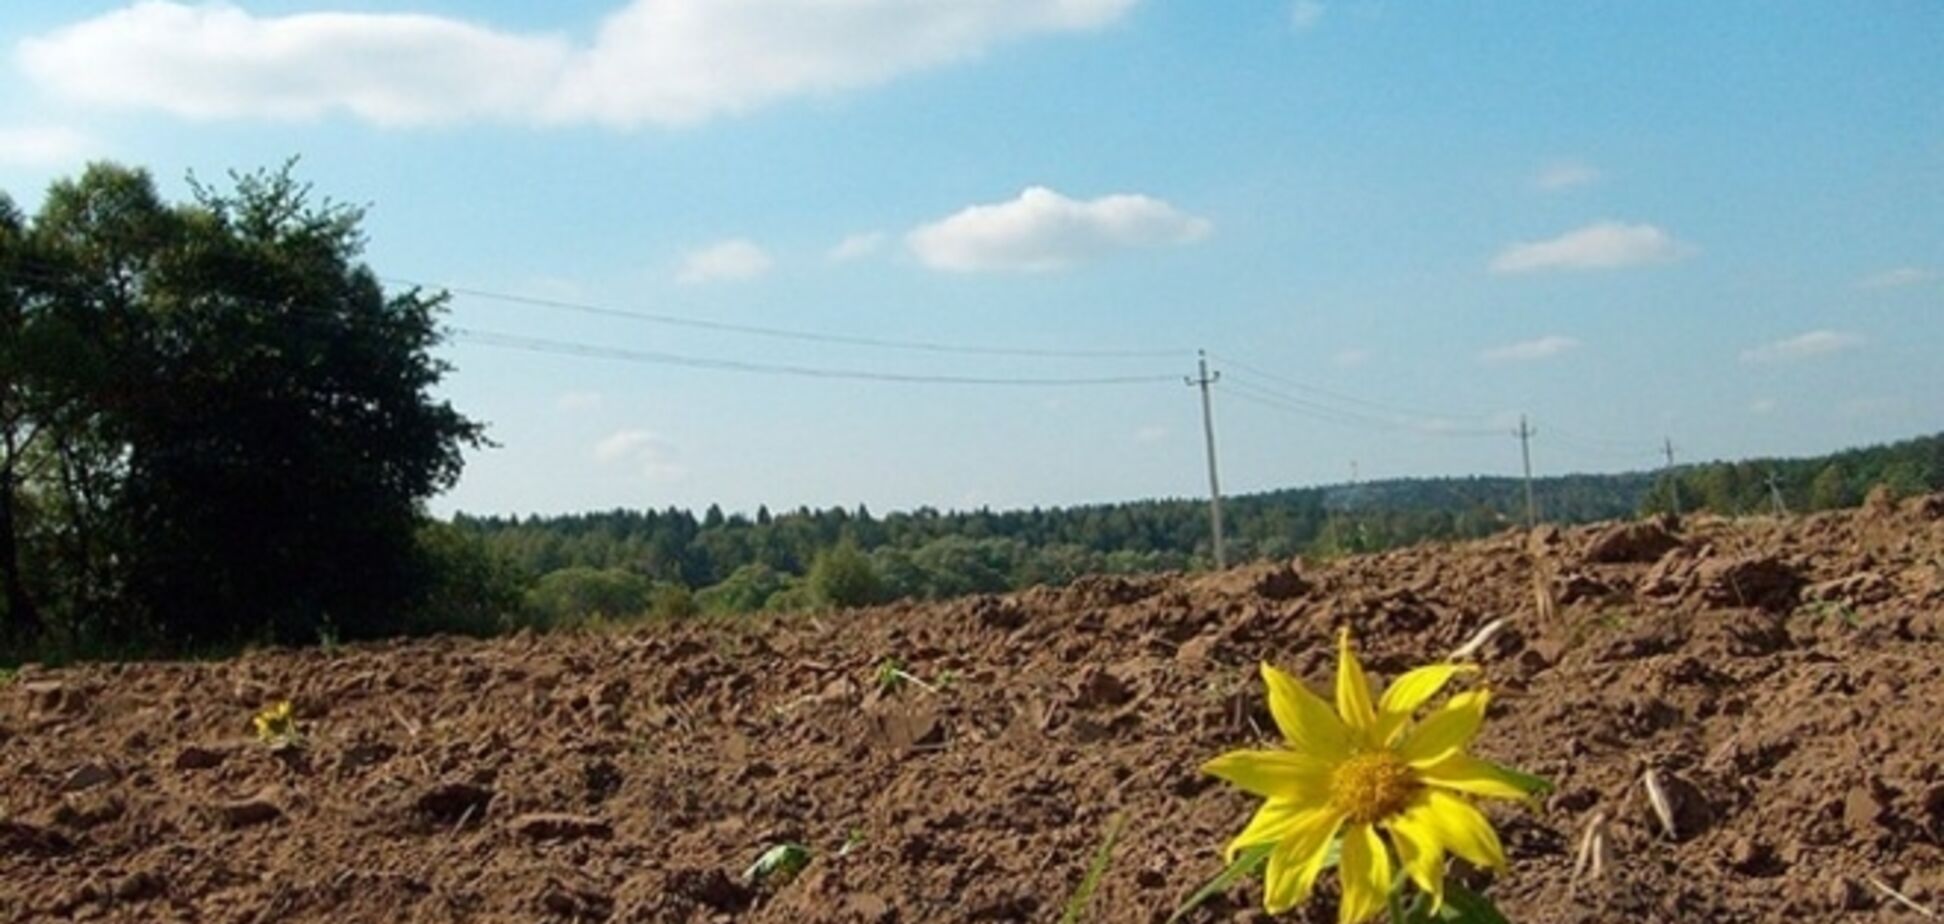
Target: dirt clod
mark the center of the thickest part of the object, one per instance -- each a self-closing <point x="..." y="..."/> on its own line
<point x="556" y="826"/>
<point x="1632" y="542"/>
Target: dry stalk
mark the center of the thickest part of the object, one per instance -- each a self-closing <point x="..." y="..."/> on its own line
<point x="1657" y="798"/>
<point x="1542" y="595"/>
<point x="1590" y="863"/>
<point x="1479" y="640"/>
<point x="1901" y="898"/>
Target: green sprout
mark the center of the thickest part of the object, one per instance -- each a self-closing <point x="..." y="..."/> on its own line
<point x="778" y="865"/>
<point x="891" y="676"/>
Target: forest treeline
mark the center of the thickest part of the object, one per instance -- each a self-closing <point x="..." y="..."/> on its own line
<point x="673" y="562"/>
<point x="218" y="428"/>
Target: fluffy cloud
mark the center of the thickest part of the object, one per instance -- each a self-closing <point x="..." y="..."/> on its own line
<point x="1802" y="346"/>
<point x="1897" y="278"/>
<point x="1043" y="230"/>
<point x="1527" y="350"/>
<point x="42" y="146"/>
<point x="1606" y="245"/>
<point x="724" y="261"/>
<point x="856" y="246"/>
<point x="650" y="61"/>
<point x="1565" y="175"/>
<point x="657" y="457"/>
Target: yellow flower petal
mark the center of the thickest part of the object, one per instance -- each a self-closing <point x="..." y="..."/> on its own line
<point x="1298" y="860"/>
<point x="1352" y="688"/>
<point x="1274" y="774"/>
<point x="1367" y="875"/>
<point x="1416" y="687"/>
<point x="1447" y="731"/>
<point x="1462" y="829"/>
<point x="1271" y="823"/>
<point x="1305" y="720"/>
<point x="1420" y="853"/>
<point x="1465" y="773"/>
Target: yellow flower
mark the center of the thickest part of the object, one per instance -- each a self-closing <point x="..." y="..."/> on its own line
<point x="276" y="723"/>
<point x="1364" y="771"/>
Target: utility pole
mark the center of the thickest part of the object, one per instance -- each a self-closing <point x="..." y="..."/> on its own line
<point x="1774" y="482"/>
<point x="1202" y="380"/>
<point x="1525" y="434"/>
<point x="1673" y="483"/>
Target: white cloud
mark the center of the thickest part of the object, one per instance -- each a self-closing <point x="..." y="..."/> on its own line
<point x="1527" y="350"/>
<point x="1897" y="278"/>
<point x="1762" y="406"/>
<point x="1606" y="245"/>
<point x="1305" y="14"/>
<point x="1351" y="357"/>
<point x="1043" y="230"/>
<point x="579" y="401"/>
<point x="856" y="246"/>
<point x="649" y="61"/>
<point x="657" y="457"/>
<point x="42" y="146"/>
<point x="1565" y="175"/>
<point x="1802" y="346"/>
<point x="1152" y="433"/>
<point x="728" y="260"/>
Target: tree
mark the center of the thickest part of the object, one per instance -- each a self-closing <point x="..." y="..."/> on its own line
<point x="240" y="429"/>
<point x="844" y="577"/>
<point x="1830" y="489"/>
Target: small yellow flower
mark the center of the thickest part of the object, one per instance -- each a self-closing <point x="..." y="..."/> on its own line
<point x="1364" y="771"/>
<point x="276" y="724"/>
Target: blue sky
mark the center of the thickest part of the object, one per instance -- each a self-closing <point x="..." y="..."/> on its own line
<point x="1720" y="222"/>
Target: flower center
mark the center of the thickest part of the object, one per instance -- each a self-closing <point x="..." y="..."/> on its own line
<point x="1371" y="786"/>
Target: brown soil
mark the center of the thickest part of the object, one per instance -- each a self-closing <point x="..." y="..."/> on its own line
<point x="1783" y="680"/>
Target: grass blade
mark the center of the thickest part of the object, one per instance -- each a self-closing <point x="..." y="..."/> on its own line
<point x="1077" y="905"/>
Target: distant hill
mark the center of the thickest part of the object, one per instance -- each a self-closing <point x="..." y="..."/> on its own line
<point x="738" y="563"/>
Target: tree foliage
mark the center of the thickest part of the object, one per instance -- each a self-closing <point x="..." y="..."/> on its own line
<point x="217" y="423"/>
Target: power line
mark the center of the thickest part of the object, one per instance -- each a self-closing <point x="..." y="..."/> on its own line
<point x="886" y="343"/>
<point x="1285" y="381"/>
<point x="569" y="348"/>
<point x="1318" y="411"/>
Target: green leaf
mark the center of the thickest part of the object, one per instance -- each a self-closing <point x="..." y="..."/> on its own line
<point x="1077" y="904"/>
<point x="1463" y="906"/>
<point x="1534" y="786"/>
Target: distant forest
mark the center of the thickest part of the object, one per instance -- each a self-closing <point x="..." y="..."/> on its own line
<point x="673" y="562"/>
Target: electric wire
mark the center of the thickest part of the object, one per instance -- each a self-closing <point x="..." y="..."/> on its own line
<point x="592" y="351"/>
<point x="886" y="343"/>
<point x="1279" y="380"/>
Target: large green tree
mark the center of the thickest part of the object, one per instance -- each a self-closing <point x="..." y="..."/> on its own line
<point x="242" y="426"/>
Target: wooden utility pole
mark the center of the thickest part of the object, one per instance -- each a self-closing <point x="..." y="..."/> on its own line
<point x="1525" y="434"/>
<point x="1202" y="380"/>
<point x="1673" y="483"/>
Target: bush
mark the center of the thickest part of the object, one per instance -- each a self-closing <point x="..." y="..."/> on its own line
<point x="671" y="601"/>
<point x="745" y="590"/>
<point x="844" y="577"/>
<point x="576" y="596"/>
<point x="468" y="588"/>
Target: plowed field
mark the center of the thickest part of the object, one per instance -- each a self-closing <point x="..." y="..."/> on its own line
<point x="1784" y="680"/>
